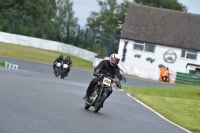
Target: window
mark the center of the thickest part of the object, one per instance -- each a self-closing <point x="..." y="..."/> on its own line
<point x="138" y="46"/>
<point x="189" y="54"/>
<point x="191" y="72"/>
<point x="148" y="47"/>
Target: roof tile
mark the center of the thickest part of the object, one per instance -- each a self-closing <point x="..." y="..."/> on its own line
<point x="162" y="26"/>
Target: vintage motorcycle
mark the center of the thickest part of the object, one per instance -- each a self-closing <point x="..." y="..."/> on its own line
<point x="63" y="72"/>
<point x="100" y="92"/>
<point x="57" y="69"/>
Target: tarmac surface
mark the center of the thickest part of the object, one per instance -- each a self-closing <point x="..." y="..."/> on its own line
<point x="33" y="100"/>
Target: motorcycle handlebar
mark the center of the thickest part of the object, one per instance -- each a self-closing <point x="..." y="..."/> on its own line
<point x="102" y="75"/>
<point x="98" y="75"/>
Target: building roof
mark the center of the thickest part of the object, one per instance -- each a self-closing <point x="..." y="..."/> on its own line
<point x="162" y="26"/>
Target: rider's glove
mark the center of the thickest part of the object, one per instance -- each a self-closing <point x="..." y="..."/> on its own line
<point x="114" y="80"/>
<point x="100" y="75"/>
<point x="96" y="73"/>
<point x="118" y="84"/>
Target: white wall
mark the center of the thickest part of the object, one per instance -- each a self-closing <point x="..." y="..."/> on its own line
<point x="140" y="67"/>
<point x="46" y="44"/>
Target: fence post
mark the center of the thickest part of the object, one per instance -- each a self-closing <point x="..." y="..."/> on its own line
<point x="85" y="38"/>
<point x="77" y="38"/>
<point x="60" y="35"/>
<point x="68" y="34"/>
<point x="57" y="35"/>
<point x="12" y="23"/>
<point x="38" y="32"/>
<point x="93" y="39"/>
<point x="102" y="43"/>
<point x="111" y="45"/>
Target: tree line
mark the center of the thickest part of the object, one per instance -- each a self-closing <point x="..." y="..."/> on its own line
<point x="55" y="20"/>
<point x="36" y="18"/>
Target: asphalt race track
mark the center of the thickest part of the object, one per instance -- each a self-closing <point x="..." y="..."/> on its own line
<point x="33" y="100"/>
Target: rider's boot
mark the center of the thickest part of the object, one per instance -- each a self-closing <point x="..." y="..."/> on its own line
<point x="86" y="97"/>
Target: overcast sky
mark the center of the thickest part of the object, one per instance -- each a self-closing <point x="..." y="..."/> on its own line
<point x="83" y="8"/>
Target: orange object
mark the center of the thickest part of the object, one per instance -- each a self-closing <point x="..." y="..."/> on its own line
<point x="162" y="72"/>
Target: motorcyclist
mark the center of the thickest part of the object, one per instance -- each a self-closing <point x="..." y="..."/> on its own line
<point x="105" y="66"/>
<point x="58" y="60"/>
<point x="67" y="61"/>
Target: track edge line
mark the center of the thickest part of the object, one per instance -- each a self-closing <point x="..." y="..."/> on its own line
<point x="158" y="113"/>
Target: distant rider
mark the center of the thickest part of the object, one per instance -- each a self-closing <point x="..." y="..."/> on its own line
<point x="58" y="60"/>
<point x="67" y="61"/>
<point x="104" y="67"/>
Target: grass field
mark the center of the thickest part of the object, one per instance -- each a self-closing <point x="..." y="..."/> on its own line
<point x="180" y="104"/>
<point x="39" y="55"/>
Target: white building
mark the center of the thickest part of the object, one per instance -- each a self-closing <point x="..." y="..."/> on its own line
<point x="153" y="36"/>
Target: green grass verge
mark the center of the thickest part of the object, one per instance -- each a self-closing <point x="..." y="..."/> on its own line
<point x="180" y="104"/>
<point x="39" y="55"/>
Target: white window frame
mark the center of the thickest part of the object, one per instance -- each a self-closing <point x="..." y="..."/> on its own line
<point x="187" y="51"/>
<point x="141" y="44"/>
<point x="144" y="45"/>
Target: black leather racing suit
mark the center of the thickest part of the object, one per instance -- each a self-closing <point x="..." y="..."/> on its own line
<point x="56" y="61"/>
<point x="103" y="67"/>
<point x="69" y="63"/>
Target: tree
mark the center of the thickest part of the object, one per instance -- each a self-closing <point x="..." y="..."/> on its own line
<point x="65" y="20"/>
<point x="168" y="4"/>
<point x="37" y="18"/>
<point x="103" y="20"/>
<point x="25" y="16"/>
<point x="65" y="14"/>
<point x="108" y="20"/>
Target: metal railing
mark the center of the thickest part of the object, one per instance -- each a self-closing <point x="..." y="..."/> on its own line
<point x="190" y="79"/>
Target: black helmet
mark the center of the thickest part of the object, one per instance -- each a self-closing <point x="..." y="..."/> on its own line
<point x="68" y="57"/>
<point x="61" y="57"/>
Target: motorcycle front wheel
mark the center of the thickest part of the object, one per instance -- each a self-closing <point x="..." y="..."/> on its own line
<point x="98" y="104"/>
<point x="86" y="106"/>
<point x="62" y="76"/>
<point x="100" y="100"/>
<point x="56" y="74"/>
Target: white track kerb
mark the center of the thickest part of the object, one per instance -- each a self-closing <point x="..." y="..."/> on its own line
<point x="158" y="113"/>
<point x="9" y="65"/>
